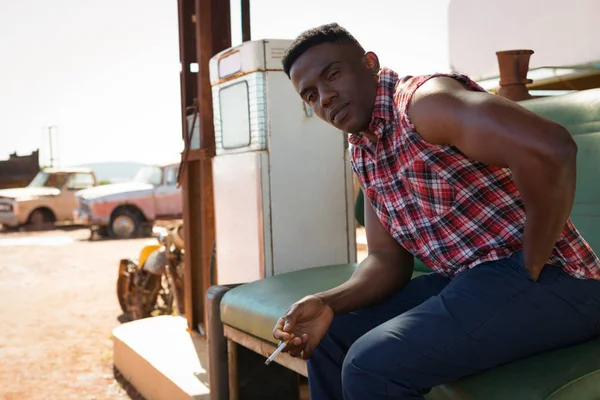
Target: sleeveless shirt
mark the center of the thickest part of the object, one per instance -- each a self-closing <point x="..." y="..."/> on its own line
<point x="446" y="209"/>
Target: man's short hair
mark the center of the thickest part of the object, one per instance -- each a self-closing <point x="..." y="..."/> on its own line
<point x="328" y="33"/>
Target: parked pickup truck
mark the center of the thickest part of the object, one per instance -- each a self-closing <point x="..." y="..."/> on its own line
<point x="129" y="209"/>
<point x="49" y="198"/>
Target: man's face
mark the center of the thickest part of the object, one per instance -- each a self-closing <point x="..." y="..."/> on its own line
<point x="334" y="80"/>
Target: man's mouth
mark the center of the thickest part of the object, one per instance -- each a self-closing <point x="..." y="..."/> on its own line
<point x="338" y="112"/>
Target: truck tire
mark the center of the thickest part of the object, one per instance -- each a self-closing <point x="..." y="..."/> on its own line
<point x="125" y="224"/>
<point x="40" y="219"/>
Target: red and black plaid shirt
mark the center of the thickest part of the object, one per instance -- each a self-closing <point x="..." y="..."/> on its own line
<point x="447" y="210"/>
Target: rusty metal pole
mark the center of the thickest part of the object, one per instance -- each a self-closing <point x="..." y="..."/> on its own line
<point x="189" y="87"/>
<point x="187" y="56"/>
<point x="210" y="33"/>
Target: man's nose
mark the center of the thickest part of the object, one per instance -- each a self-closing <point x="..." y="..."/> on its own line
<point x="327" y="96"/>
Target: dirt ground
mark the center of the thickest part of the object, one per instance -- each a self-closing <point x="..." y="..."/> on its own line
<point x="58" y="308"/>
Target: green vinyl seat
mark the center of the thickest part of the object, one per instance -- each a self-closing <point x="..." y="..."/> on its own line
<point x="572" y="373"/>
<point x="255" y="307"/>
<point x="565" y="374"/>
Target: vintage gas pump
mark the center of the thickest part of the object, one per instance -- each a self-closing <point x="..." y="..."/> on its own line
<point x="282" y="181"/>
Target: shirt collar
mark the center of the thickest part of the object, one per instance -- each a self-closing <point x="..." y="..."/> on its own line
<point x="384" y="100"/>
<point x="383" y="108"/>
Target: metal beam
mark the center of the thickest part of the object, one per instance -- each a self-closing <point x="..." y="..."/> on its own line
<point x="188" y="83"/>
<point x="187" y="56"/>
<point x="209" y="33"/>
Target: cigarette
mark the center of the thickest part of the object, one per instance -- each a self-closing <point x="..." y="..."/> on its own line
<point x="276" y="352"/>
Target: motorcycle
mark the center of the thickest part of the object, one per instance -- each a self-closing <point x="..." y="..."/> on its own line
<point x="152" y="283"/>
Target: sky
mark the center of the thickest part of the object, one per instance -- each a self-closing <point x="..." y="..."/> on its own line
<point x="103" y="75"/>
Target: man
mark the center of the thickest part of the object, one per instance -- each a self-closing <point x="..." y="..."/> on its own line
<point x="475" y="186"/>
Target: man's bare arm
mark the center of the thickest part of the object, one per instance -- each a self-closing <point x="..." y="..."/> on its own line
<point x="386" y="269"/>
<point x="540" y="153"/>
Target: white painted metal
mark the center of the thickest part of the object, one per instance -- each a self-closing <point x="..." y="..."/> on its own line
<point x="308" y="183"/>
<point x="238" y="208"/>
<point x="283" y="187"/>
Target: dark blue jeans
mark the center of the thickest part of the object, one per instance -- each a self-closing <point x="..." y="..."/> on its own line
<point x="436" y="330"/>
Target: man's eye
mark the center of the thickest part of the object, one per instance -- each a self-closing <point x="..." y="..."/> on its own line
<point x="333" y="75"/>
<point x="310" y="97"/>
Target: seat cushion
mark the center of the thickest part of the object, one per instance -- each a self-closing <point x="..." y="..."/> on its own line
<point x="567" y="374"/>
<point x="572" y="373"/>
<point x="255" y="307"/>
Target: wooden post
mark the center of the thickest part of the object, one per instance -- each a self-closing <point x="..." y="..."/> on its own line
<point x="232" y="352"/>
<point x="205" y="27"/>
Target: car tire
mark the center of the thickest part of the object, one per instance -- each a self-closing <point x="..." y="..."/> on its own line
<point x="125" y="224"/>
<point x="40" y="219"/>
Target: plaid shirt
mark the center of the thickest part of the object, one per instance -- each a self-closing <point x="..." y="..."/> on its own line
<point x="447" y="210"/>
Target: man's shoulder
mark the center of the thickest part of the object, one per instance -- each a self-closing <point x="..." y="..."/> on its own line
<point x="410" y="83"/>
<point x="401" y="86"/>
<point x="429" y="84"/>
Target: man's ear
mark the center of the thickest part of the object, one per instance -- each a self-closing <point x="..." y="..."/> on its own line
<point x="371" y="61"/>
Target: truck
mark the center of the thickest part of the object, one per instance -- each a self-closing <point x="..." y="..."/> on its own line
<point x="129" y="209"/>
<point x="47" y="200"/>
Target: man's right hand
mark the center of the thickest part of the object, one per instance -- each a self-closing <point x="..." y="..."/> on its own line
<point x="308" y="320"/>
<point x="386" y="269"/>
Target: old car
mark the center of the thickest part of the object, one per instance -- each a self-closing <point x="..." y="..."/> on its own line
<point x="129" y="209"/>
<point x="49" y="198"/>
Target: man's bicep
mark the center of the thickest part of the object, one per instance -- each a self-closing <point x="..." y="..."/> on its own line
<point x="485" y="127"/>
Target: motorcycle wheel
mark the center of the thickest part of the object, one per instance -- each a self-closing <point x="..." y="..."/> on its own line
<point x="137" y="290"/>
<point x="126" y="269"/>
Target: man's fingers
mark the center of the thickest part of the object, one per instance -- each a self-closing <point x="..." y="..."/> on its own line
<point x="278" y="332"/>
<point x="284" y="336"/>
<point x="307" y="351"/>
<point x="281" y="335"/>
<point x="295" y="345"/>
<point x="297" y="341"/>
<point x="289" y="322"/>
<point x="285" y="325"/>
<point x="534" y="273"/>
<point x="295" y="351"/>
<point x="290" y="318"/>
